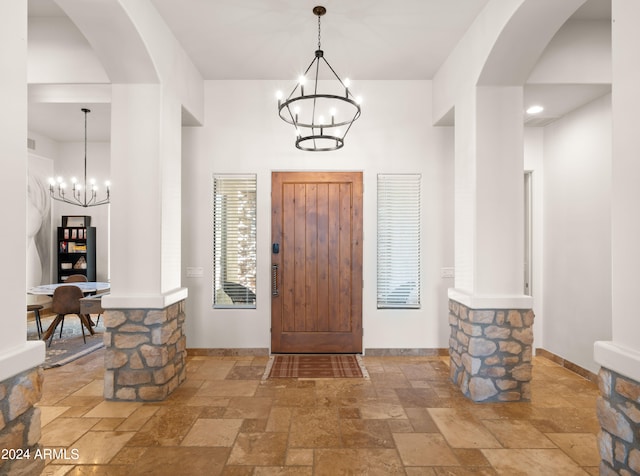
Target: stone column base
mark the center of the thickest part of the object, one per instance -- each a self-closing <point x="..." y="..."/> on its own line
<point x="491" y="352"/>
<point x="20" y="423"/>
<point x="619" y="415"/>
<point x="146" y="353"/>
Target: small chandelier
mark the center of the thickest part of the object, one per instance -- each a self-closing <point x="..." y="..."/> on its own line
<point x="321" y="119"/>
<point x="79" y="194"/>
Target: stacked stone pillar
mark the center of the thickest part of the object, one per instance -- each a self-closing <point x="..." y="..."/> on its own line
<point x="20" y="423"/>
<point x="619" y="415"/>
<point x="146" y="353"/>
<point x="491" y="352"/>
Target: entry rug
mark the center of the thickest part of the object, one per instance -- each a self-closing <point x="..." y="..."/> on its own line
<point x="316" y="366"/>
<point x="70" y="346"/>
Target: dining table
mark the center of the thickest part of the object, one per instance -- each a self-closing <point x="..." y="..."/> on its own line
<point x="89" y="288"/>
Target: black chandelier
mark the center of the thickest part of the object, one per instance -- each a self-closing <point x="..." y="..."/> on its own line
<point x="79" y="195"/>
<point x="321" y="119"/>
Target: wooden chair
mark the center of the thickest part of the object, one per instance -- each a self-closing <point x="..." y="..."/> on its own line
<point x="66" y="300"/>
<point x="35" y="308"/>
<point x="81" y="278"/>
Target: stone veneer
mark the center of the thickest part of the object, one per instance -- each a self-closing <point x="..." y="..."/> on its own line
<point x="619" y="415"/>
<point x="20" y="422"/>
<point x="490" y="352"/>
<point x="146" y="353"/>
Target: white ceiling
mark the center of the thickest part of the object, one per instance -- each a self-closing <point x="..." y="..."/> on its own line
<point x="370" y="39"/>
<point x="64" y="122"/>
<point x="275" y="39"/>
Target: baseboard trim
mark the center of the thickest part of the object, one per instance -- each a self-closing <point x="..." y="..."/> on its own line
<point x="261" y="352"/>
<point x="239" y="352"/>
<point x="423" y="352"/>
<point x="587" y="374"/>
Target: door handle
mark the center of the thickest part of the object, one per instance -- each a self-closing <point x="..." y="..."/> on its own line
<point x="274" y="280"/>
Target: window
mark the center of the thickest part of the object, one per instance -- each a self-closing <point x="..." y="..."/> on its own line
<point x="399" y="241"/>
<point x="234" y="241"/>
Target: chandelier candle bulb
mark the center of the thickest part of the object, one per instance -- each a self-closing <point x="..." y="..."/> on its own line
<point x="301" y="81"/>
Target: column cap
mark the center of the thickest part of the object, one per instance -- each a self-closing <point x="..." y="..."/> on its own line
<point x="616" y="357"/>
<point x="23" y="357"/>
<point x="144" y="301"/>
<point x="491" y="301"/>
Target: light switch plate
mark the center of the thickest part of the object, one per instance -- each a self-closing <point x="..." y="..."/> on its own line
<point x="195" y="272"/>
<point x="447" y="273"/>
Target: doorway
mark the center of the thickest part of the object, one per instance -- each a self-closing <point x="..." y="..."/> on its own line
<point x="528" y="233"/>
<point x="316" y="256"/>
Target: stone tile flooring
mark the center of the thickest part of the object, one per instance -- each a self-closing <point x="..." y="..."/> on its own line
<point x="408" y="419"/>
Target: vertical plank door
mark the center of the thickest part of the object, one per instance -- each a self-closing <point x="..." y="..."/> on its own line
<point x="316" y="262"/>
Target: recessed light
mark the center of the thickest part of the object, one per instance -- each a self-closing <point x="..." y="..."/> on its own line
<point x="536" y="109"/>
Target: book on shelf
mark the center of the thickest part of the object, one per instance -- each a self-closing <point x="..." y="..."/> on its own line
<point x="74" y="247"/>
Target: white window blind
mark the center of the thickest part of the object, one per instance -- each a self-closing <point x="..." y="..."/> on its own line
<point x="399" y="240"/>
<point x="234" y="238"/>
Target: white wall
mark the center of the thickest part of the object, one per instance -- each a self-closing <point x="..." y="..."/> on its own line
<point x="243" y="134"/>
<point x="45" y="147"/>
<point x="577" y="232"/>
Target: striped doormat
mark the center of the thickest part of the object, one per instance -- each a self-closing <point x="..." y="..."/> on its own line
<point x="316" y="366"/>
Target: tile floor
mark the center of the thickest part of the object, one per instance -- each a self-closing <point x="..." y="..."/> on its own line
<point x="408" y="419"/>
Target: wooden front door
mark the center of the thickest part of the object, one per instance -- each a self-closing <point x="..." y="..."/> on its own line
<point x="316" y="262"/>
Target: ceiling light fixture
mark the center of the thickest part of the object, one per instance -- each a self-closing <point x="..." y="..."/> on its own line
<point x="535" y="109"/>
<point x="79" y="194"/>
<point x="321" y="119"/>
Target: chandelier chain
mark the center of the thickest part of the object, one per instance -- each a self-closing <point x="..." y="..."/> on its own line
<point x="86" y="111"/>
<point x="319" y="33"/>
